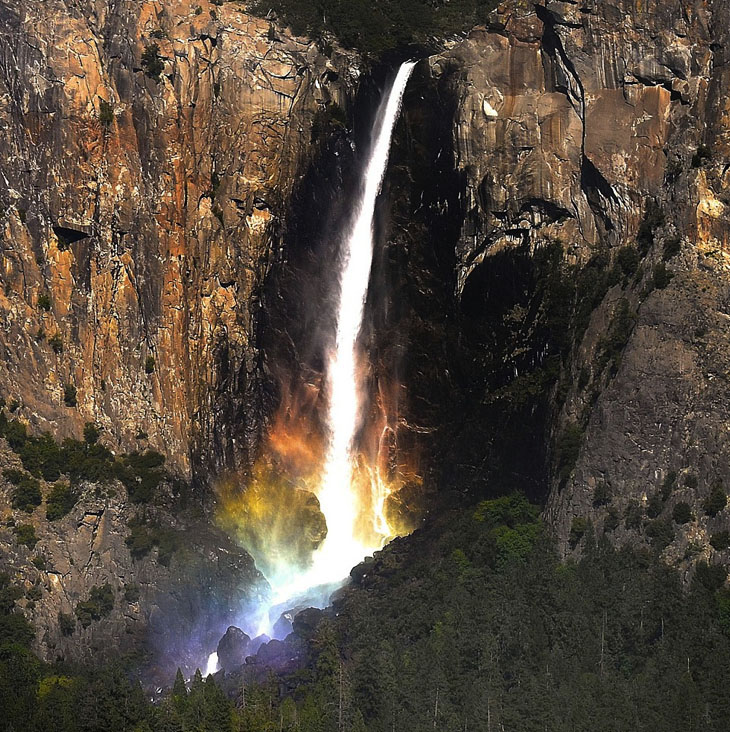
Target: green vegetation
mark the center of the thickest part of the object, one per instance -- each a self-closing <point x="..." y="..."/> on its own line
<point x="654" y="219"/>
<point x="149" y="364"/>
<point x="720" y="540"/>
<point x="612" y="521"/>
<point x="144" y="536"/>
<point x="377" y="27"/>
<point x="578" y="529"/>
<point x="25" y="534"/>
<point x="660" y="533"/>
<point x="602" y="494"/>
<point x="131" y="593"/>
<point x="682" y="513"/>
<point x="91" y="433"/>
<point x="446" y="629"/>
<point x="717" y="500"/>
<point x="66" y="623"/>
<point x="60" y="501"/>
<point x="633" y="515"/>
<point x="669" y="484"/>
<point x="151" y="62"/>
<point x="26" y="494"/>
<point x="428" y="640"/>
<point x="139" y="540"/>
<point x="568" y="449"/>
<point x="611" y="347"/>
<point x="661" y="276"/>
<point x="106" y="112"/>
<point x="99" y="604"/>
<point x="44" y="301"/>
<point x="655" y="505"/>
<point x="628" y="260"/>
<point x="69" y="395"/>
<point x="141" y="473"/>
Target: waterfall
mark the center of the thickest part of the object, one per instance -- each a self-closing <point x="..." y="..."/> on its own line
<point x="350" y="489"/>
<point x="338" y="501"/>
<point x="338" y="498"/>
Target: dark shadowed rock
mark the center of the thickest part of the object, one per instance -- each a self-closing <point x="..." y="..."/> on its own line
<point x="305" y="622"/>
<point x="233" y="648"/>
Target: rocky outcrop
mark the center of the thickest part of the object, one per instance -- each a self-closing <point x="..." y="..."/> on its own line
<point x="111" y="578"/>
<point x="567" y="271"/>
<point x="233" y="648"/>
<point x="149" y="152"/>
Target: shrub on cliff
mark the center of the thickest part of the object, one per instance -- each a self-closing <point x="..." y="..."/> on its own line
<point x="628" y="260"/>
<point x="655" y="505"/>
<point x="143" y="537"/>
<point x="69" y="395"/>
<point x="661" y="276"/>
<point x="66" y="623"/>
<point x="106" y="112"/>
<point x="717" y="500"/>
<point x="91" y="433"/>
<point x="611" y="346"/>
<point x="602" y="494"/>
<point x="568" y="449"/>
<point x="682" y="513"/>
<point x="654" y="218"/>
<point x="660" y="533"/>
<point x="26" y="494"/>
<point x="578" y="528"/>
<point x="151" y="63"/>
<point x="60" y="501"/>
<point x="139" y="542"/>
<point x="25" y="534"/>
<point x="140" y="473"/>
<point x="99" y="604"/>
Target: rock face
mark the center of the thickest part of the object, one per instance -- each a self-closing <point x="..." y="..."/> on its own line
<point x="599" y="132"/>
<point x="556" y="280"/>
<point x="94" y="593"/>
<point x="148" y="156"/>
<point x="233" y="648"/>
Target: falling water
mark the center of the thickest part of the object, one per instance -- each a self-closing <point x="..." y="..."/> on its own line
<point x="338" y="498"/>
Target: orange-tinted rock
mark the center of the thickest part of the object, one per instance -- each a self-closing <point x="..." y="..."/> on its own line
<point x="173" y="191"/>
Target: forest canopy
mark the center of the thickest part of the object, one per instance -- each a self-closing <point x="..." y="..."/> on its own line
<point x="380" y="25"/>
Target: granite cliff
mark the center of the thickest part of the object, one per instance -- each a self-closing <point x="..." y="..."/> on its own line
<point x="575" y="246"/>
<point x="149" y="151"/>
<point x="556" y="285"/>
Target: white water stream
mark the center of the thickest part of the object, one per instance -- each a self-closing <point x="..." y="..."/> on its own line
<point x="338" y="498"/>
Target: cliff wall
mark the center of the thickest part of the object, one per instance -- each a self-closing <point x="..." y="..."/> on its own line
<point x="149" y="152"/>
<point x="583" y="279"/>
